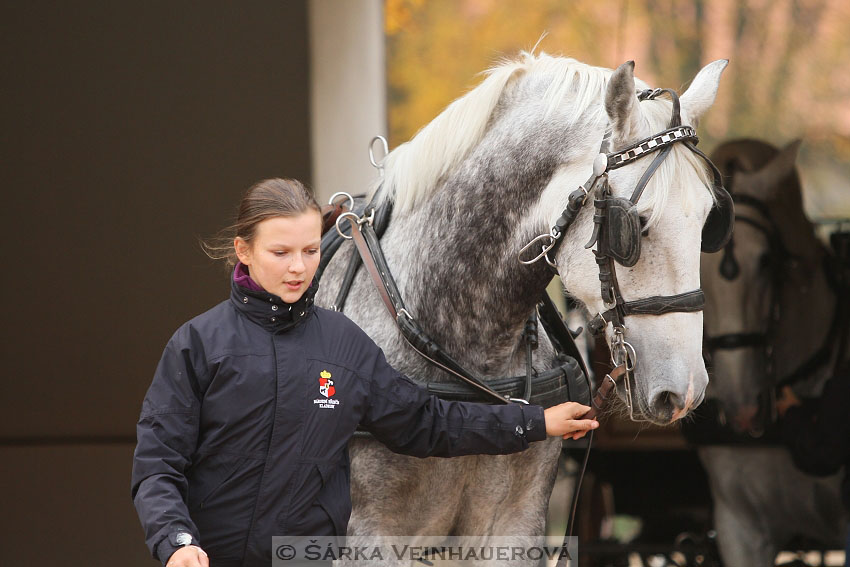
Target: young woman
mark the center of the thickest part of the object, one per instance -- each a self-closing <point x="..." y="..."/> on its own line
<point x="243" y="432"/>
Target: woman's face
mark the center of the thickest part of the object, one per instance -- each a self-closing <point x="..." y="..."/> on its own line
<point x="284" y="254"/>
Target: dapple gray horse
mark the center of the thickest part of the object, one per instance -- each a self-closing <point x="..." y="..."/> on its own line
<point x="491" y="172"/>
<point x="774" y="269"/>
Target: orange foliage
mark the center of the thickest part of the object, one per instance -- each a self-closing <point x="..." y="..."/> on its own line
<point x="786" y="78"/>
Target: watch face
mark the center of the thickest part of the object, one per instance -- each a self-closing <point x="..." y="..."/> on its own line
<point x="183" y="538"/>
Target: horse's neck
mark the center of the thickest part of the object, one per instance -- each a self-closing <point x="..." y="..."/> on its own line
<point x="462" y="279"/>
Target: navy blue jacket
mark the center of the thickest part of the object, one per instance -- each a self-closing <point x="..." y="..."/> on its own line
<point x="243" y="433"/>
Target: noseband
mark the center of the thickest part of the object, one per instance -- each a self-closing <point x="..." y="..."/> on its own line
<point x="617" y="233"/>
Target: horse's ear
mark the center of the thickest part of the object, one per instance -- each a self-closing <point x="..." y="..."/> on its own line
<point x="700" y="95"/>
<point x="621" y="103"/>
<point x="765" y="182"/>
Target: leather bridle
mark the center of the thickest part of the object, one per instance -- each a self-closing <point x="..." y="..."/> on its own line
<point x="623" y="355"/>
<point x="719" y="223"/>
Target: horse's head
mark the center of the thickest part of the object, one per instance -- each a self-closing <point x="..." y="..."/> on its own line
<point x="669" y="376"/>
<point x="503" y="160"/>
<point x="743" y="285"/>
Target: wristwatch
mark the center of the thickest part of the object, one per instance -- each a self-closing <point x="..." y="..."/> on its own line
<point x="176" y="540"/>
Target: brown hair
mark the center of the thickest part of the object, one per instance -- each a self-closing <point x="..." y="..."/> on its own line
<point x="266" y="199"/>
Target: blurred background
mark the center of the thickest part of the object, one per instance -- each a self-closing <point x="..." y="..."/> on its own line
<point x="786" y="78"/>
<point x="131" y="130"/>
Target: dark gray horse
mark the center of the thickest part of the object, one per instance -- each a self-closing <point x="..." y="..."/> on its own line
<point x="768" y="310"/>
<point x="491" y="172"/>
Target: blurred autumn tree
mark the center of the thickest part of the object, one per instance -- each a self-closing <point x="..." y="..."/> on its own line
<point x="786" y="79"/>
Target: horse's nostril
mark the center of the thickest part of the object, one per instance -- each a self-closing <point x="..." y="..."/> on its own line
<point x="666" y="404"/>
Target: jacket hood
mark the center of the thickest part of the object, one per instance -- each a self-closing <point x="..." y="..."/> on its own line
<point x="269" y="310"/>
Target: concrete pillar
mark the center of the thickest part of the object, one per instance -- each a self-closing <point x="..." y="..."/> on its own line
<point x="348" y="92"/>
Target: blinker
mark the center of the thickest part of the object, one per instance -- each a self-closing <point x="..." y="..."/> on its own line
<point x="623" y="231"/>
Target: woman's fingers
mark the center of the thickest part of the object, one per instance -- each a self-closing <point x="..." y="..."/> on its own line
<point x="561" y="419"/>
<point x="577" y="428"/>
<point x="575" y="410"/>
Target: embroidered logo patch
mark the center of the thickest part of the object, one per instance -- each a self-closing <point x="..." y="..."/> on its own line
<point x="326" y="385"/>
<point x="326" y="388"/>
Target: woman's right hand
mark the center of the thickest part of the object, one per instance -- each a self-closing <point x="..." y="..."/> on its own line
<point x="189" y="556"/>
<point x="565" y="420"/>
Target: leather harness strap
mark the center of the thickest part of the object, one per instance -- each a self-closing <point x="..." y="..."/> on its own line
<point x="368" y="247"/>
<point x="600" y="398"/>
<point x="544" y="391"/>
<point x="329" y="215"/>
<point x="372" y="269"/>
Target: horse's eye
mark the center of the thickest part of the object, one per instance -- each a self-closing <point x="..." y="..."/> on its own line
<point x="643" y="222"/>
<point x="765" y="261"/>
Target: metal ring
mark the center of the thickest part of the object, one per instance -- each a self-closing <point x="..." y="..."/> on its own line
<point x="631" y="355"/>
<point x="379" y="165"/>
<point x="342" y="194"/>
<point x="342" y="216"/>
<point x="614" y="362"/>
<point x="545" y="248"/>
<point x="626" y="350"/>
<point x="622" y="352"/>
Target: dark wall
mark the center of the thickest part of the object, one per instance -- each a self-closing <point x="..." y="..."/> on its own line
<point x="128" y="131"/>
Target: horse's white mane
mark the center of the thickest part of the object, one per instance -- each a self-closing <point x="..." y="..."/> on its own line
<point x="412" y="170"/>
